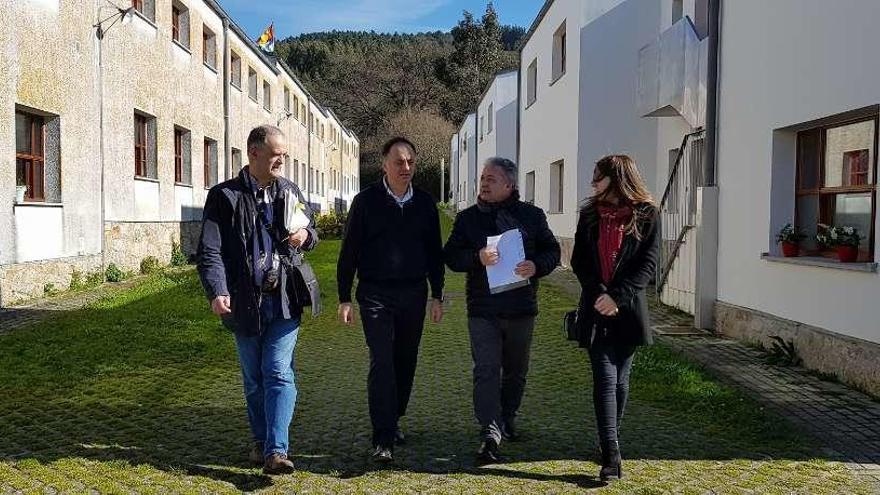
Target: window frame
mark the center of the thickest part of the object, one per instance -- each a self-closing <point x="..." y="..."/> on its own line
<point x="532" y="83"/>
<point x="212" y="38"/>
<point x="233" y="80"/>
<point x="36" y="160"/>
<point x="140" y="150"/>
<point x="825" y="194"/>
<point x="267" y="96"/>
<point x="560" y="40"/>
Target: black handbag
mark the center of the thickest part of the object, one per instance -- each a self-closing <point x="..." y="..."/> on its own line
<point x="570" y="325"/>
<point x="306" y="291"/>
<point x="574" y="329"/>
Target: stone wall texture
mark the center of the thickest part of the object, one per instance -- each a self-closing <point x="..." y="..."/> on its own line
<point x="22" y="281"/>
<point x="852" y="361"/>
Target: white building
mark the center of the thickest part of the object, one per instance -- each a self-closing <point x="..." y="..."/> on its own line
<point x="465" y="190"/>
<point x="797" y="142"/>
<point x="588" y="89"/>
<point x="497" y="115"/>
<point x="453" y="170"/>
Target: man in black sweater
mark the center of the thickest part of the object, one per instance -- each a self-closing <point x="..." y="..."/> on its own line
<point x="500" y="324"/>
<point x="392" y="241"/>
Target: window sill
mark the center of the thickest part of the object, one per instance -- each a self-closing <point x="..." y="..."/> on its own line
<point x="529" y="105"/>
<point x="38" y="204"/>
<point x="213" y="69"/>
<point x="253" y="99"/>
<point x="867" y="267"/>
<point x="557" y="78"/>
<point x="236" y="86"/>
<point x="181" y="184"/>
<point x="144" y="18"/>
<point x="146" y="179"/>
<point x="182" y="47"/>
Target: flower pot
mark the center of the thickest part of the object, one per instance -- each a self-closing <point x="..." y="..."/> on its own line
<point x="847" y="254"/>
<point x="20" y="191"/>
<point x="790" y="249"/>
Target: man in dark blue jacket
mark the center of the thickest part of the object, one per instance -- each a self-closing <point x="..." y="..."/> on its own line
<point x="500" y="323"/>
<point x="246" y="258"/>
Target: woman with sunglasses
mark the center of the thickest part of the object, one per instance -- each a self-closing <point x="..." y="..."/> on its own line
<point x="614" y="257"/>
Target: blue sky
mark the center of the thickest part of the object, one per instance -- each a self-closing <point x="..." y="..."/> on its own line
<point x="292" y="17"/>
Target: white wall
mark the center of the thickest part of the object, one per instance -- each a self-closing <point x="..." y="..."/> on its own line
<point x="453" y="169"/>
<point x="39" y="233"/>
<point x="549" y="128"/>
<point x="783" y="63"/>
<point x="501" y="97"/>
<point x="467" y="161"/>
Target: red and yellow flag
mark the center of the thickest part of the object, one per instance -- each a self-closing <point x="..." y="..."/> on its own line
<point x="267" y="40"/>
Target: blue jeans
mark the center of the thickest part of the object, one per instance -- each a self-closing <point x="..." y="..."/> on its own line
<point x="269" y="383"/>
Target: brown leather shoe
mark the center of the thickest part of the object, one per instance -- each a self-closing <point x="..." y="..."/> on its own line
<point x="256" y="453"/>
<point x="278" y="464"/>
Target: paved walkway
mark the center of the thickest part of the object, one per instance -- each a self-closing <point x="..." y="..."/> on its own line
<point x="846" y="422"/>
<point x="38" y="310"/>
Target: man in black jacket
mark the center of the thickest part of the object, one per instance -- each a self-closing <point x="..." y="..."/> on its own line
<point x="500" y="324"/>
<point x="242" y="246"/>
<point x="392" y="241"/>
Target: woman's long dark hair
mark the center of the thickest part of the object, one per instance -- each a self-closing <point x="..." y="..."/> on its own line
<point x="628" y="186"/>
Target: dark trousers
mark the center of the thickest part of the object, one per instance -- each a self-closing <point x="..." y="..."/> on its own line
<point x="611" y="363"/>
<point x="500" y="350"/>
<point x="393" y="320"/>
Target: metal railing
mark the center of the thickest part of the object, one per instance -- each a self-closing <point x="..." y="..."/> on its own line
<point x="678" y="208"/>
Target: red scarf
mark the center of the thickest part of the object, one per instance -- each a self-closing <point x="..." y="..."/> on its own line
<point x="612" y="223"/>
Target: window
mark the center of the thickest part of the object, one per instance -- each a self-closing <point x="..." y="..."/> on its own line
<point x="677" y="10"/>
<point x="558" y="53"/>
<point x="557" y="182"/>
<point x="287" y="99"/>
<point x="295" y="177"/>
<point x="147" y="8"/>
<point x="296" y="107"/>
<point x="323" y="189"/>
<point x="302" y="113"/>
<point x="38" y="155"/>
<point x="210" y="159"/>
<point x="836" y="181"/>
<point x="235" y="77"/>
<point x="464" y="143"/>
<point x="267" y="96"/>
<point x="304" y="176"/>
<point x="491" y="117"/>
<point x="482" y="127"/>
<point x="236" y="160"/>
<point x="145" y="146"/>
<point x="182" y="157"/>
<point x="180" y="24"/>
<point x="252" y="83"/>
<point x="209" y="47"/>
<point x="530" y="187"/>
<point x="532" y="83"/>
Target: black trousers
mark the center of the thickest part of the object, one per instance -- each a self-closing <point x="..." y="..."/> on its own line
<point x="611" y="362"/>
<point x="393" y="319"/>
<point x="500" y="350"/>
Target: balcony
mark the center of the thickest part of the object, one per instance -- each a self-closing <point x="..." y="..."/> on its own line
<point x="672" y="75"/>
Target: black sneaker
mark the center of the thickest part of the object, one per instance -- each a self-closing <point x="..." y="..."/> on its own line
<point x="399" y="437"/>
<point x="488" y="452"/>
<point x="383" y="455"/>
<point x="508" y="430"/>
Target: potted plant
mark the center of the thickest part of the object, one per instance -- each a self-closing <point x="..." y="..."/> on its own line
<point x="845" y="240"/>
<point x="789" y="237"/>
<point x="20" y="192"/>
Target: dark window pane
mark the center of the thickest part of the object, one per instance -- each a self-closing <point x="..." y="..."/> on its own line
<point x="21" y="166"/>
<point x="809" y="154"/>
<point x="808" y="219"/>
<point x="844" y="139"/>
<point x="22" y="133"/>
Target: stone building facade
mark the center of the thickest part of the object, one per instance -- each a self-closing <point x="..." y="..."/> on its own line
<point x="116" y="136"/>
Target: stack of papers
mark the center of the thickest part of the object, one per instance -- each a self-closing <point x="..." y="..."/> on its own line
<point x="510" y="253"/>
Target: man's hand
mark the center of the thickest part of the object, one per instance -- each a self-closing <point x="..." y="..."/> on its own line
<point x="606" y="306"/>
<point x="525" y="269"/>
<point x="489" y="256"/>
<point x="346" y="313"/>
<point x="221" y="306"/>
<point x="298" y="238"/>
<point x="436" y="310"/>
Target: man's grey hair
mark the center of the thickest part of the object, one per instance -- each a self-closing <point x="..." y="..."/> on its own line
<point x="508" y="166"/>
<point x="260" y="135"/>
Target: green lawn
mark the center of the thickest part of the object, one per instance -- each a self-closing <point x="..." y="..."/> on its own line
<point x="141" y="393"/>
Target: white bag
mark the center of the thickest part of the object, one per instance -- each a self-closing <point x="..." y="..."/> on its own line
<point x="295" y="217"/>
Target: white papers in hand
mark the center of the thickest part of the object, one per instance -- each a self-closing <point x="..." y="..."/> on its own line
<point x="295" y="217"/>
<point x="510" y="253"/>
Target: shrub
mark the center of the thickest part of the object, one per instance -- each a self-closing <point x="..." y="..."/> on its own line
<point x="49" y="290"/>
<point x="150" y="265"/>
<point x="114" y="274"/>
<point x="330" y="225"/>
<point x="76" y="280"/>
<point x="177" y="256"/>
